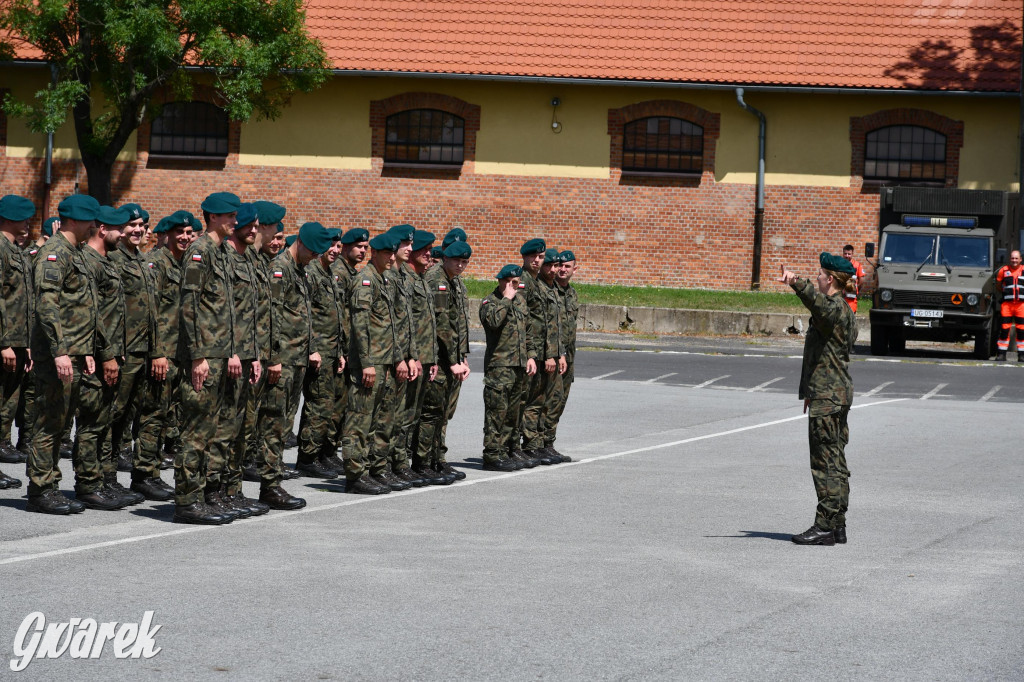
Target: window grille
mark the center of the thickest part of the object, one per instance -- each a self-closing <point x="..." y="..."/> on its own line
<point x="905" y="153"/>
<point x="190" y="129"/>
<point x="425" y="136"/>
<point x="663" y="144"/>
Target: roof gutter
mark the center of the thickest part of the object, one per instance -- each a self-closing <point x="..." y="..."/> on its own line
<point x="755" y="270"/>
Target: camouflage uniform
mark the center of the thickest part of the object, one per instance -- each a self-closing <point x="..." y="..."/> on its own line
<point x="401" y="284"/>
<point x="323" y="390"/>
<point x="424" y="329"/>
<point x="251" y="438"/>
<point x="156" y="418"/>
<point x="26" y="414"/>
<point x="206" y="328"/>
<point x="224" y="470"/>
<point x="373" y="342"/>
<point x="545" y="334"/>
<point x="15" y="327"/>
<point x="825" y="382"/>
<point x="291" y="346"/>
<point x="138" y="326"/>
<point x="442" y="394"/>
<point x="92" y="437"/>
<point x="345" y="273"/>
<point x="505" y="326"/>
<point x="570" y="305"/>
<point x="65" y="325"/>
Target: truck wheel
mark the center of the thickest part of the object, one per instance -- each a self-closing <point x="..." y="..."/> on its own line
<point x="983" y="344"/>
<point x="879" y="340"/>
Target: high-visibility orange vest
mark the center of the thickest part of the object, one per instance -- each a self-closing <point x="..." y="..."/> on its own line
<point x="858" y="275"/>
<point x="1012" y="282"/>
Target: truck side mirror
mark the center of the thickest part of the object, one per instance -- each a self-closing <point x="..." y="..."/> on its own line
<point x="869" y="250"/>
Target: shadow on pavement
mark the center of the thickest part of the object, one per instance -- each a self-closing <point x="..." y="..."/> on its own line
<point x="756" y="534"/>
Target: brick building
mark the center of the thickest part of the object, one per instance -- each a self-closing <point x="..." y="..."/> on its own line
<point x="612" y="128"/>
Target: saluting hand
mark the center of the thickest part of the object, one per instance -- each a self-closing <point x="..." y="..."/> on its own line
<point x="787" y="276"/>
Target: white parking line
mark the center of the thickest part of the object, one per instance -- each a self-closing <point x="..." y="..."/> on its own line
<point x="416" y="491"/>
<point x="609" y="374"/>
<point x="761" y="387"/>
<point x="663" y="376"/>
<point x="876" y="389"/>
<point x="711" y="381"/>
<point x="933" y="392"/>
<point x="988" y="396"/>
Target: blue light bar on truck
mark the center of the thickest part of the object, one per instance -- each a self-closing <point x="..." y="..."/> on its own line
<point x="933" y="221"/>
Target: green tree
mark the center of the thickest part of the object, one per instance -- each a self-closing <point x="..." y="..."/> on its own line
<point x="111" y="58"/>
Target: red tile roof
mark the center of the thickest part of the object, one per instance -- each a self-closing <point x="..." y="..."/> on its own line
<point x="922" y="44"/>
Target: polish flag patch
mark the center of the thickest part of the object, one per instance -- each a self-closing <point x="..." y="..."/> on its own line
<point x="33" y="252"/>
<point x="441" y="287"/>
<point x="486" y="301"/>
<point x="278" y="274"/>
<point x="52" y="256"/>
<point x="366" y="282"/>
<point x="196" y="257"/>
<point x="522" y="285"/>
<point x="152" y="265"/>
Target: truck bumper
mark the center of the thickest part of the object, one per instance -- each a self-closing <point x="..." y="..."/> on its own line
<point x="950" y="320"/>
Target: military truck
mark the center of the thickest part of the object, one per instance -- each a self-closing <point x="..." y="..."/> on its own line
<point x="938" y="251"/>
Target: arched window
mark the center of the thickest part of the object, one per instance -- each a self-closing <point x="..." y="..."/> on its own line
<point x="190" y="129"/>
<point x="662" y="144"/>
<point x="905" y="152"/>
<point x="424" y="137"/>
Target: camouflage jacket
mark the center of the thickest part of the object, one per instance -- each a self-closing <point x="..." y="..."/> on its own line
<point x="543" y="340"/>
<point x="165" y="273"/>
<point x="292" y="341"/>
<point x="424" y="319"/>
<point x="344" y="274"/>
<point x="242" y="275"/>
<point x="505" y="326"/>
<point x="452" y="310"/>
<point x="264" y="316"/>
<point x="571" y="307"/>
<point x="65" y="302"/>
<point x="138" y="298"/>
<point x="327" y="304"/>
<point x="207" y="324"/>
<point x="109" y="304"/>
<point x="401" y="284"/>
<point x="373" y="339"/>
<point x="16" y="297"/>
<point x="825" y="377"/>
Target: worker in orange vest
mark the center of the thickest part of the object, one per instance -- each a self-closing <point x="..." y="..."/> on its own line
<point x="1010" y="279"/>
<point x="851" y="298"/>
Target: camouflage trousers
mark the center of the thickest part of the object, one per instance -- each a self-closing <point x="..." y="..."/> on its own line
<point x="10" y="393"/>
<point x="368" y="428"/>
<point x="277" y="415"/>
<point x="200" y="413"/>
<point x="224" y="465"/>
<point x="95" y="403"/>
<point x="540" y="393"/>
<point x="127" y="395"/>
<point x="403" y="441"/>
<point x="61" y="401"/>
<point x="323" y="407"/>
<point x="26" y="415"/>
<point x="251" y="438"/>
<point x="555" y="404"/>
<point x="153" y="417"/>
<point x="504" y="391"/>
<point x="394" y="404"/>
<point x="440" y="398"/>
<point x="828" y="437"/>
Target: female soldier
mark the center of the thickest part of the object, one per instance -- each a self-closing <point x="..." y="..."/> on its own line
<point x="826" y="389"/>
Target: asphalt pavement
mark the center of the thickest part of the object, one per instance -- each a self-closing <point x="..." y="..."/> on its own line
<point x="661" y="552"/>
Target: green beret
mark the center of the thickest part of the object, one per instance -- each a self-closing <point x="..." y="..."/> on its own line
<point x="533" y="246"/>
<point x="269" y="213"/>
<point x="161" y="226"/>
<point x="567" y="256"/>
<point x="78" y="207"/>
<point x="552" y="256"/>
<point x="221" y="202"/>
<point x="384" y="242"/>
<point x="290" y="239"/>
<point x="422" y="239"/>
<point x="836" y="263"/>
<point x="135" y="211"/>
<point x="246" y="215"/>
<point x="456" y="234"/>
<point x="315" y="237"/>
<point x="16" y="208"/>
<point x="509" y="271"/>
<point x="114" y="217"/>
<point x="176" y="219"/>
<point x="437" y="252"/>
<point x="48" y="225"/>
<point x="355" y="235"/>
<point x="458" y="250"/>
<point x="403" y="233"/>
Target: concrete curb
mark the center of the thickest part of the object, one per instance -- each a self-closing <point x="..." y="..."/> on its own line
<point x="612" y="318"/>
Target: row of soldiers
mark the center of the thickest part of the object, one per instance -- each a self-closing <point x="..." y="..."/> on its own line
<point x="216" y="339"/>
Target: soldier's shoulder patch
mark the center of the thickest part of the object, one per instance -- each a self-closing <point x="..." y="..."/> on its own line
<point x="486" y="301"/>
<point x="522" y="285"/>
<point x="197" y="257"/>
<point x="151" y="264"/>
<point x="278" y="274"/>
<point x="51" y="274"/>
<point x="33" y="252"/>
<point x="442" y="287"/>
<point x="51" y="257"/>
<point x="366" y="282"/>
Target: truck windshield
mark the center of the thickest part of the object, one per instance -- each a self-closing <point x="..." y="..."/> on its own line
<point x="964" y="252"/>
<point x="908" y="248"/>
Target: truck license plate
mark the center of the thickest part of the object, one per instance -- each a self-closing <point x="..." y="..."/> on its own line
<point x="919" y="312"/>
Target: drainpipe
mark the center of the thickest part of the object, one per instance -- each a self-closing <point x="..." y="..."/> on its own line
<point x="48" y="180"/>
<point x="755" y="270"/>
